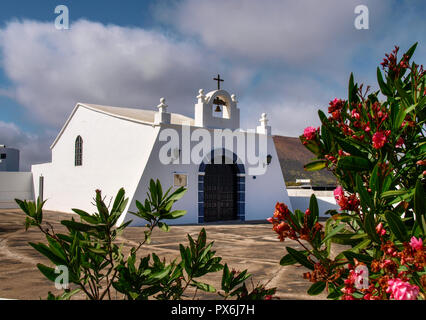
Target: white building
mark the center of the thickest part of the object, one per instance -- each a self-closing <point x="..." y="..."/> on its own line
<point x="9" y="159"/>
<point x="103" y="147"/>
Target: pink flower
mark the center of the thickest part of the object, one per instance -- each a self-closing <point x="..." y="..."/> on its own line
<point x="416" y="244"/>
<point x="310" y="133"/>
<point x="401" y="290"/>
<point x="355" y="114"/>
<point x="379" y="140"/>
<point x="335" y="105"/>
<point x="338" y="193"/>
<point x="380" y="230"/>
<point x="400" y="142"/>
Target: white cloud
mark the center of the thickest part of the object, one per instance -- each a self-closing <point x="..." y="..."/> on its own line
<point x="301" y="33"/>
<point x="291" y="104"/>
<point x="33" y="148"/>
<point x="286" y="58"/>
<point x="53" y="69"/>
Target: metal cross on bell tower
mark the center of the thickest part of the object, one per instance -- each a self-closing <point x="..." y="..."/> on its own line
<point x="219" y="80"/>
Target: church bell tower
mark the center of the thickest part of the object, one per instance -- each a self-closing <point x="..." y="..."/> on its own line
<point x="217" y="109"/>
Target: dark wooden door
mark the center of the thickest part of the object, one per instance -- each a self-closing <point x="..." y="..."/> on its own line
<point x="220" y="192"/>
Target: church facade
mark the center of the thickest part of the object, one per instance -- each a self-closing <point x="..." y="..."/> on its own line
<point x="230" y="173"/>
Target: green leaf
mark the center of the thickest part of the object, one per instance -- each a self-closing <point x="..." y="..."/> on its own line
<point x="410" y="51"/>
<point x="48" y="272"/>
<point x="102" y="208"/>
<point x="363" y="244"/>
<point x="353" y="163"/>
<point x="366" y="201"/>
<point x="185" y="254"/>
<point x="55" y="247"/>
<point x="396" y="225"/>
<point x="153" y="192"/>
<point x="78" y="226"/>
<point x="316" y="288"/>
<point x="360" y="257"/>
<point x="162" y="273"/>
<point x="393" y="193"/>
<point x="49" y="253"/>
<point x="370" y="227"/>
<point x="383" y="86"/>
<point x="350" y="147"/>
<point x="333" y="232"/>
<point x="226" y="277"/>
<point x="335" y="294"/>
<point x="119" y="198"/>
<point x="419" y="201"/>
<point x="351" y="89"/>
<point x="300" y="258"/>
<point x="374" y="179"/>
<point x="312" y="146"/>
<point x="345" y="239"/>
<point x="203" y="286"/>
<point x="178" y="194"/>
<point x="174" y="214"/>
<point x="326" y="138"/>
<point x="159" y="190"/>
<point x="323" y="117"/>
<point x="313" y="208"/>
<point x="163" y="226"/>
<point x="98" y="251"/>
<point x="86" y="216"/>
<point x="405" y="97"/>
<point x="315" y="165"/>
<point x="289" y="260"/>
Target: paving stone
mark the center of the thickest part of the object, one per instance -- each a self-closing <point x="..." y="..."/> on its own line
<point x="251" y="246"/>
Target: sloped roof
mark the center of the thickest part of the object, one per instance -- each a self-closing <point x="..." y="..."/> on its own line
<point x="293" y="155"/>
<point x="142" y="116"/>
<point x="138" y="115"/>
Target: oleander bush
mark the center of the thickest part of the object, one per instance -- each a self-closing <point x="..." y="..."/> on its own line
<point x="92" y="255"/>
<point x="374" y="143"/>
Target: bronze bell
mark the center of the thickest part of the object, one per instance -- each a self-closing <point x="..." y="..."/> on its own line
<point x="218" y="109"/>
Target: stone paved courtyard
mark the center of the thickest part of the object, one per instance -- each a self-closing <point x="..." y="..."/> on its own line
<point x="251" y="246"/>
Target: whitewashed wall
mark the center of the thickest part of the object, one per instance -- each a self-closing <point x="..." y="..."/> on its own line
<point x="300" y="200"/>
<point x="261" y="193"/>
<point x="114" y="154"/>
<point x="15" y="185"/>
<point x="120" y="153"/>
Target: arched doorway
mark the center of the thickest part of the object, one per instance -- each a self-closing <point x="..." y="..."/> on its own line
<point x="220" y="192"/>
<point x="221" y="189"/>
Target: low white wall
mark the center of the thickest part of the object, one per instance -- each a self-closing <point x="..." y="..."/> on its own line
<point x="15" y="185"/>
<point x="300" y="200"/>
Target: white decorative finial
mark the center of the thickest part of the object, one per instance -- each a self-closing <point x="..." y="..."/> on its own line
<point x="234" y="98"/>
<point x="264" y="128"/>
<point x="162" y="106"/>
<point x="263" y="120"/>
<point x="201" y="95"/>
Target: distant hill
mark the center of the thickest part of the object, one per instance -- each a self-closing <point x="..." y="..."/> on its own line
<point x="293" y="156"/>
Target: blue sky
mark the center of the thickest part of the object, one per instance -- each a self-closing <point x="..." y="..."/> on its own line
<point x="285" y="58"/>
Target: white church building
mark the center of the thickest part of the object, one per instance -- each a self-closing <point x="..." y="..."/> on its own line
<point x="229" y="173"/>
